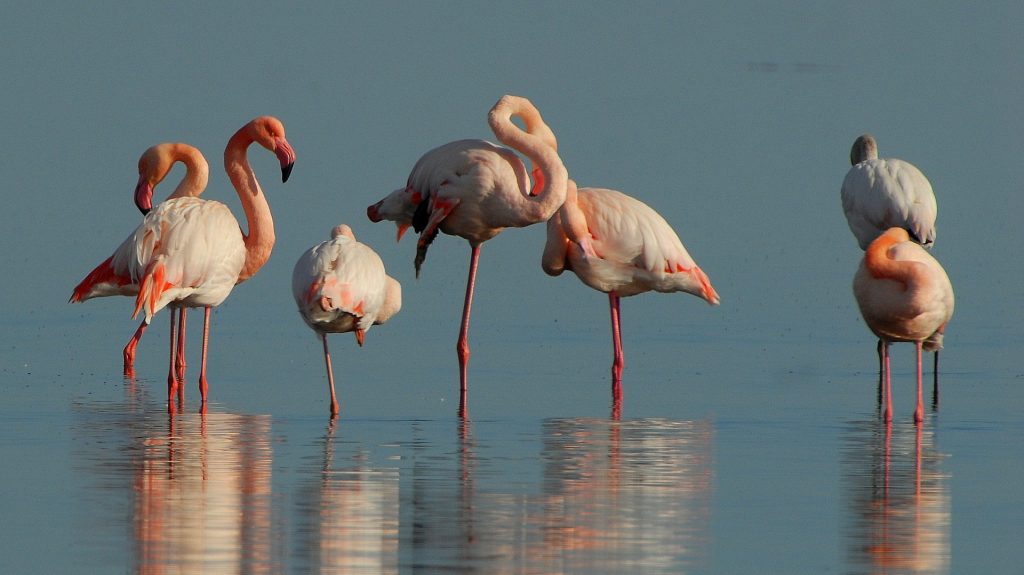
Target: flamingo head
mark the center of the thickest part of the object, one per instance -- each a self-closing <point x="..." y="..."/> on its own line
<point x="144" y="195"/>
<point x="399" y="206"/>
<point x="268" y="131"/>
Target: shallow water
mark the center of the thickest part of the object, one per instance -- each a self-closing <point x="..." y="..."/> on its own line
<point x="748" y="440"/>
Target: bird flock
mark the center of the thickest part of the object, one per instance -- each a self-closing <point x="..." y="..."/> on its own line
<point x="190" y="252"/>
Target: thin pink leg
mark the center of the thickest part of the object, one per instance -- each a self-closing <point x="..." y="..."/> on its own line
<point x="172" y="376"/>
<point x="619" y="361"/>
<point x="181" y="344"/>
<point x="462" y="346"/>
<point x="129" y="350"/>
<point x="330" y="376"/>
<point x="203" y="386"/>
<point x="887" y="382"/>
<point x="935" y="382"/>
<point x="919" y="410"/>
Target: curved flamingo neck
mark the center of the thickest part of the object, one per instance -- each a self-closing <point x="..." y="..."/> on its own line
<point x="197" y="171"/>
<point x="881" y="266"/>
<point x="260" y="240"/>
<point x="574" y="222"/>
<point x="541" y="204"/>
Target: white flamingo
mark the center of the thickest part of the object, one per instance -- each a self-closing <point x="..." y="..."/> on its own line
<point x="340" y="286"/>
<point x="474" y="189"/>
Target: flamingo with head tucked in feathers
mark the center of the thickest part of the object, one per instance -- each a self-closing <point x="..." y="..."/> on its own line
<point x="190" y="252"/>
<point x="618" y="245"/>
<point x="113" y="277"/>
<point x="474" y="189"/>
<point x="904" y="295"/>
<point x="340" y="286"/>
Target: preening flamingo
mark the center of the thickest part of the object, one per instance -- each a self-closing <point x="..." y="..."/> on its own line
<point x="904" y="295"/>
<point x="340" y="286"/>
<point x="113" y="277"/>
<point x="880" y="193"/>
<point x="618" y="245"/>
<point x="473" y="189"/>
<point x="190" y="252"/>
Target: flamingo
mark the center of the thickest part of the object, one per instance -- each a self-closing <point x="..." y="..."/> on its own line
<point x="618" y="245"/>
<point x="112" y="277"/>
<point x="879" y="193"/>
<point x="904" y="295"/>
<point x="340" y="286"/>
<point x="190" y="252"/>
<point x="474" y="189"/>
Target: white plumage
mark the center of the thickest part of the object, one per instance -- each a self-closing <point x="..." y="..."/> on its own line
<point x="881" y="193"/>
<point x="340" y="286"/>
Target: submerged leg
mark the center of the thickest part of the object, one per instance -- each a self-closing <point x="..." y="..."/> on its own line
<point x="919" y="410"/>
<point x="330" y="376"/>
<point x="181" y="344"/>
<point x="462" y="346"/>
<point x="129" y="350"/>
<point x="203" y="386"/>
<point x="887" y="414"/>
<point x="618" y="361"/>
<point x="172" y="375"/>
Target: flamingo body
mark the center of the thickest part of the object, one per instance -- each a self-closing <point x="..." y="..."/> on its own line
<point x="903" y="294"/>
<point x="880" y="193"/>
<point x="636" y="250"/>
<point x="340" y="286"/>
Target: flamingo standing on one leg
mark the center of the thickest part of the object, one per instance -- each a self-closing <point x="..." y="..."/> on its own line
<point x="618" y="245"/>
<point x="340" y="286"/>
<point x="880" y="193"/>
<point x="904" y="295"/>
<point x="113" y="277"/>
<point x="473" y="189"/>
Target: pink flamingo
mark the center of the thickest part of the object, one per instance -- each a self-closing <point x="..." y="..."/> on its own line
<point x="880" y="193"/>
<point x="904" y="295"/>
<point x="340" y="286"/>
<point x="618" y="245"/>
<point x="473" y="189"/>
<point x="113" y="277"/>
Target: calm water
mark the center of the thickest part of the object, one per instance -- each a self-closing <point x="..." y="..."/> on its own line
<point x="748" y="441"/>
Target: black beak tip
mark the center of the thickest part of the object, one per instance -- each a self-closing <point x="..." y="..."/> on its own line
<point x="286" y="171"/>
<point x="145" y="211"/>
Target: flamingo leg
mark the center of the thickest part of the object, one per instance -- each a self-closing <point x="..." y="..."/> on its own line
<point x="330" y="376"/>
<point x="129" y="350"/>
<point x="172" y="375"/>
<point x="935" y="382"/>
<point x="181" y="344"/>
<point x="881" y="370"/>
<point x="203" y="386"/>
<point x="919" y="410"/>
<point x="462" y="346"/>
<point x="887" y="415"/>
<point x="618" y="361"/>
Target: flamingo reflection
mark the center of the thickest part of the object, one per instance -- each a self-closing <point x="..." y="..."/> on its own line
<point x="203" y="496"/>
<point x="899" y="502"/>
<point x="350" y="515"/>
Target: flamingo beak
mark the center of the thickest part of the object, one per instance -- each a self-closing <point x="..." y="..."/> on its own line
<point x="286" y="155"/>
<point x="144" y="195"/>
<point x="373" y="212"/>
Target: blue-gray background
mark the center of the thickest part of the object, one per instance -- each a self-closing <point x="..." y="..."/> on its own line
<point x="733" y="120"/>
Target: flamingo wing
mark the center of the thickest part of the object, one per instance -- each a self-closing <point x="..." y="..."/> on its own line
<point x="187" y="250"/>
